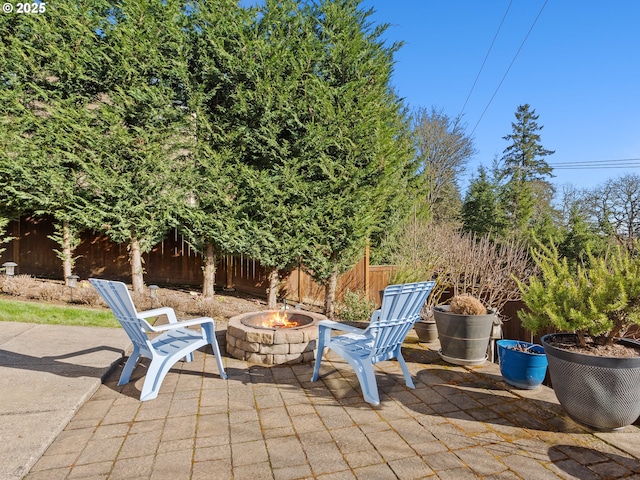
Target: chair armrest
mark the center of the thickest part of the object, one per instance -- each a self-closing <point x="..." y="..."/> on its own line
<point x="181" y="324"/>
<point x="169" y="312"/>
<point x="340" y="326"/>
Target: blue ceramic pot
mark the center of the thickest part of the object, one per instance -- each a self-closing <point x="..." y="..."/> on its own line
<point x="525" y="370"/>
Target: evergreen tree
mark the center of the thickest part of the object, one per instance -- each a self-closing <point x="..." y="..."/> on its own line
<point x="524" y="163"/>
<point x="50" y="78"/>
<point x="217" y="39"/>
<point x="580" y="240"/>
<point x="524" y="159"/>
<point x="481" y="211"/>
<point x="272" y="105"/>
<point x="141" y="134"/>
<point x="3" y="230"/>
<point x="359" y="151"/>
<point x="546" y="228"/>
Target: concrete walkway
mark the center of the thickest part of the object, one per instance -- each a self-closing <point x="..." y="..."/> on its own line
<point x="47" y="372"/>
<point x="272" y="423"/>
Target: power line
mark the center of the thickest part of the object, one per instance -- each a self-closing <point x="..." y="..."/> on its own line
<point x="509" y="68"/>
<point x="588" y="162"/>
<point x="596" y="167"/>
<point x="597" y="164"/>
<point x="486" y="57"/>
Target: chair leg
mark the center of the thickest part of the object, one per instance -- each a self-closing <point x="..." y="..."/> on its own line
<point x="129" y="367"/>
<point x="368" y="384"/>
<point x="216" y="353"/>
<point x="210" y="336"/>
<point x="405" y="370"/>
<point x="319" y="352"/>
<point x="158" y="369"/>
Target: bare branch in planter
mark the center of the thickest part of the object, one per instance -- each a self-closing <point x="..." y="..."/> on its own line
<point x="461" y="263"/>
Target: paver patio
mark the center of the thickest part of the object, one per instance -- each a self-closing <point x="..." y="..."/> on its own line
<point x="273" y="423"/>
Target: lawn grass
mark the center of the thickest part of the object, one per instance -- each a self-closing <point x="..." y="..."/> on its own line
<point x="32" y="312"/>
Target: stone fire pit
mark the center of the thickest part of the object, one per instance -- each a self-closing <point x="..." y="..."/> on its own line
<point x="249" y="340"/>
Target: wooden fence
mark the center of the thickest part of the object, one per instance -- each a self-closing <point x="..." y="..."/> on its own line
<point x="173" y="262"/>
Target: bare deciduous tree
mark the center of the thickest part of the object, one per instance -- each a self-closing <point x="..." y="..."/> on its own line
<point x="443" y="150"/>
<point x="461" y="263"/>
<point x="615" y="206"/>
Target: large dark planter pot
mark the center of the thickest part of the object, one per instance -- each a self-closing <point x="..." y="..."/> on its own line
<point x="463" y="338"/>
<point x="426" y="331"/>
<point x="522" y="369"/>
<point x="601" y="392"/>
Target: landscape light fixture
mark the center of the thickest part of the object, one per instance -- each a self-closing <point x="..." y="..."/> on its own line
<point x="9" y="268"/>
<point x="153" y="293"/>
<point x="72" y="281"/>
<point x="191" y="200"/>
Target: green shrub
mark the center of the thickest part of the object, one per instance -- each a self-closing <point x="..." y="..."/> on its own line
<point x="600" y="298"/>
<point x="355" y="307"/>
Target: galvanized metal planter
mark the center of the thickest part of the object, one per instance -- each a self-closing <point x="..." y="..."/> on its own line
<point x="426" y="331"/>
<point x="464" y="339"/>
<point x="601" y="392"/>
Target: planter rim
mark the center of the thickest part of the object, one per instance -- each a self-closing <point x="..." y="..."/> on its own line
<point x="506" y="343"/>
<point x="445" y="309"/>
<point x="593" y="360"/>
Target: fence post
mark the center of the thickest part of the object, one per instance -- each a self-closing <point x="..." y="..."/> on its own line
<point x="300" y="280"/>
<point x="366" y="271"/>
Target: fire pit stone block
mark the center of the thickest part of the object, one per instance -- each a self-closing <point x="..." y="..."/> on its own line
<point x="285" y="336"/>
<point x="259" y="336"/>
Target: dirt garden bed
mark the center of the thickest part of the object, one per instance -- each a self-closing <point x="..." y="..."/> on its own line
<point x="187" y="303"/>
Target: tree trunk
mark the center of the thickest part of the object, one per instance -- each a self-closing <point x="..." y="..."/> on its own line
<point x="135" y="259"/>
<point x="209" y="271"/>
<point x="67" y="253"/>
<point x="272" y="298"/>
<point x="330" y="295"/>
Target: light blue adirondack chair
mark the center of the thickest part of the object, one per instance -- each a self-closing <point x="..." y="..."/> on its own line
<point x="380" y="341"/>
<point x="174" y="341"/>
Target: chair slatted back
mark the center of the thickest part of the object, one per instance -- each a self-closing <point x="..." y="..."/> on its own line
<point x="400" y="309"/>
<point x="117" y="297"/>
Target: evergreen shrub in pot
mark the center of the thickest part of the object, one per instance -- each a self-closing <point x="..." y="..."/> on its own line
<point x="595" y="372"/>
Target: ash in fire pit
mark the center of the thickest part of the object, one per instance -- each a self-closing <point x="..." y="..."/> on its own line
<point x="273" y="337"/>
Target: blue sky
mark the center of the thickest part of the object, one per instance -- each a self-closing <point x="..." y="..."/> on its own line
<point x="579" y="68"/>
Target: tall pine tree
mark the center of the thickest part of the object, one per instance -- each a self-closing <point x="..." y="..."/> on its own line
<point x="270" y="116"/>
<point x="217" y="34"/>
<point x="524" y="163"/>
